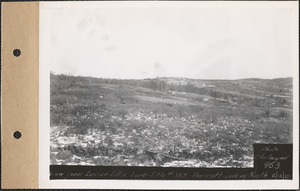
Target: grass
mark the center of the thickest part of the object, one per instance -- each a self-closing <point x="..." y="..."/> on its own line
<point x="102" y="123"/>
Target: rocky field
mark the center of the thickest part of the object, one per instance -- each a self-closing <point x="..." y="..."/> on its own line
<point x="176" y="122"/>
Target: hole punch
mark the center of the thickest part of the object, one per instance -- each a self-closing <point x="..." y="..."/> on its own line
<point x="17" y="52"/>
<point x="17" y="135"/>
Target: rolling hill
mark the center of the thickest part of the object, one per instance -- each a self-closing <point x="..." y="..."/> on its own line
<point x="166" y="121"/>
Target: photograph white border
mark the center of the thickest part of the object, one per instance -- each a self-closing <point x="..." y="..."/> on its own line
<point x="44" y="109"/>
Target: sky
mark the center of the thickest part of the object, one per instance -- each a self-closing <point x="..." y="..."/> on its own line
<point x="136" y="40"/>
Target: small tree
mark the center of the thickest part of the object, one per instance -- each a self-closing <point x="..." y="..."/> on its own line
<point x="256" y="102"/>
<point x="282" y="114"/>
<point x="283" y="102"/>
<point x="122" y="113"/>
<point x="213" y="94"/>
<point x="268" y="113"/>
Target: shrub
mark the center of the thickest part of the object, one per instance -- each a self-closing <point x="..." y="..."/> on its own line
<point x="102" y="126"/>
<point x="267" y="113"/>
<point x="256" y="103"/>
<point x="210" y="118"/>
<point x="81" y="110"/>
<point x="282" y="114"/>
<point x="135" y="124"/>
<point x="103" y="106"/>
<point x="122" y="113"/>
<point x="213" y="94"/>
<point x="180" y="111"/>
<point x="84" y="124"/>
<point x="196" y="108"/>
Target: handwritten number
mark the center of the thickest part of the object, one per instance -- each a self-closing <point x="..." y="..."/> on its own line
<point x="266" y="164"/>
<point x="272" y="165"/>
<point x="277" y="165"/>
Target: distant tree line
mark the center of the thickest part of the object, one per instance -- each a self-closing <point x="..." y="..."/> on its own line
<point x="157" y="84"/>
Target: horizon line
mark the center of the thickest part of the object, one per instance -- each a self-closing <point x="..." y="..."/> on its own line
<point x="207" y="79"/>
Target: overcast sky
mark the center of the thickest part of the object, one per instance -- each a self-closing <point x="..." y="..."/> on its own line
<point x="158" y="39"/>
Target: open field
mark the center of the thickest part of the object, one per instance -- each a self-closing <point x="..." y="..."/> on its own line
<point x="166" y="121"/>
